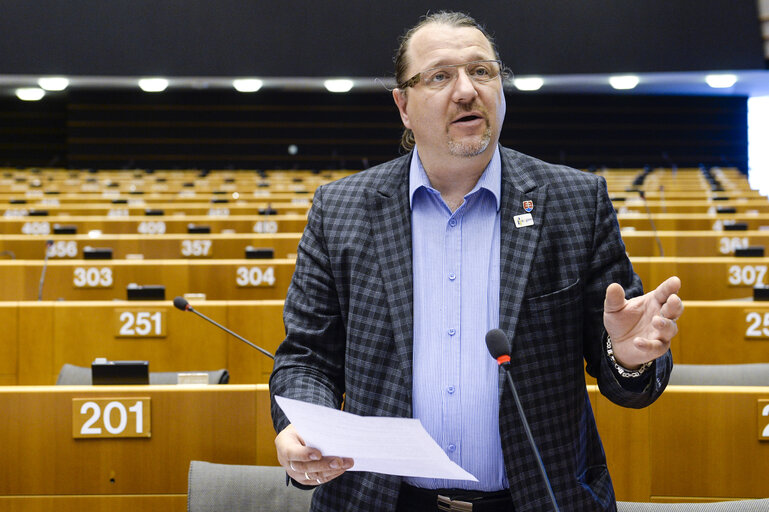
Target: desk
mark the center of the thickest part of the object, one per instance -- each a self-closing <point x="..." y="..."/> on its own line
<point x="100" y="207"/>
<point x="39" y="337"/>
<point x="152" y="247"/>
<point x="692" y="221"/>
<point x="692" y="243"/>
<point x="716" y="278"/>
<point x="155" y="225"/>
<point x="46" y="468"/>
<point x="695" y="443"/>
<point x="108" y="279"/>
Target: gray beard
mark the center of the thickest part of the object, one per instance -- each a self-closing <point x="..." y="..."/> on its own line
<point x="470" y="149"/>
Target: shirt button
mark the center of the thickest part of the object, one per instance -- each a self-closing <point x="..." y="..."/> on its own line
<point x="452" y="332"/>
<point x="452" y="276"/>
<point x="451" y="447"/>
<point x="450" y="390"/>
<point x="452" y="222"/>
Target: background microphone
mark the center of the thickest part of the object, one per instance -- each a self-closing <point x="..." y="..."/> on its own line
<point x="181" y="303"/>
<point x="48" y="245"/>
<point x="499" y="348"/>
<point x="651" y="221"/>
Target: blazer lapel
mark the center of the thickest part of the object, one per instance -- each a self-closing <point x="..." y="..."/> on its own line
<point x="517" y="244"/>
<point x="391" y="229"/>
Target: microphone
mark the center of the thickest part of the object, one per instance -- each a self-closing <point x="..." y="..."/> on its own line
<point x="182" y="304"/>
<point x="499" y="348"/>
<point x="651" y="221"/>
<point x="48" y="245"/>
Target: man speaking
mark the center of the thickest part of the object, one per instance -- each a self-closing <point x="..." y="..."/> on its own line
<point x="404" y="268"/>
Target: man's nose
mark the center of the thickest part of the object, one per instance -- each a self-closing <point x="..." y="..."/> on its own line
<point x="464" y="87"/>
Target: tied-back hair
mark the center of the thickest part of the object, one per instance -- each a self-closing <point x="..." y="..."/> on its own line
<point x="450" y="18"/>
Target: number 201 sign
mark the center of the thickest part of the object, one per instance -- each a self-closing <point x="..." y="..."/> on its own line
<point x="111" y="417"/>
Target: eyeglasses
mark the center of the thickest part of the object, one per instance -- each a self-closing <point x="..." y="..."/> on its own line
<point x="441" y="76"/>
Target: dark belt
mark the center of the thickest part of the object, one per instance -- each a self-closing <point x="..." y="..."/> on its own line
<point x="455" y="500"/>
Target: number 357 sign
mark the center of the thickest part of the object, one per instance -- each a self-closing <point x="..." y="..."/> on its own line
<point x="111" y="417"/>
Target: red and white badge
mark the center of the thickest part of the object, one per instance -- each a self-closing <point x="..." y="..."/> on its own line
<point x="528" y="206"/>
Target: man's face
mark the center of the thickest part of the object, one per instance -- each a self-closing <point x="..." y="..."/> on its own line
<point x="463" y="118"/>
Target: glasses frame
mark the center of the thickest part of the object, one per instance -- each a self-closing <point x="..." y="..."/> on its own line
<point x="416" y="79"/>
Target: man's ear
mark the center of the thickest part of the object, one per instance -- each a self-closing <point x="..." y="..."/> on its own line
<point x="401" y="100"/>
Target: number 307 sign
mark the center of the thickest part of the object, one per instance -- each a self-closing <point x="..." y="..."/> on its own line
<point x="111" y="417"/>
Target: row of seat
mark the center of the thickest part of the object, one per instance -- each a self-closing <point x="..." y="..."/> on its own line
<point x="284" y="245"/>
<point x="299" y="204"/>
<point x="698" y="452"/>
<point x="40" y="337"/>
<point x="287" y="223"/>
<point x="704" y="278"/>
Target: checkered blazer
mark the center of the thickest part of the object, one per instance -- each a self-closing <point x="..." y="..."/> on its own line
<point x="349" y="324"/>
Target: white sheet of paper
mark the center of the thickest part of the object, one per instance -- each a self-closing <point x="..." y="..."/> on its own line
<point x="393" y="446"/>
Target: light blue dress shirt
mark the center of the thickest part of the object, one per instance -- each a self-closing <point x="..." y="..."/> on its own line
<point x="456" y="302"/>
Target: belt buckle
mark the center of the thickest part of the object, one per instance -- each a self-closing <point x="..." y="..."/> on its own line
<point x="447" y="504"/>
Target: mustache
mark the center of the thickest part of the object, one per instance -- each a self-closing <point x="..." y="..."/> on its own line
<point x="470" y="107"/>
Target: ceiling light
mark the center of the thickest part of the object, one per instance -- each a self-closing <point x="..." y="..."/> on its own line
<point x="338" y="85"/>
<point x="30" y="93"/>
<point x="153" y="84"/>
<point x="53" y="83"/>
<point x="623" y="81"/>
<point x="533" y="83"/>
<point x="247" y="84"/>
<point x="721" y="81"/>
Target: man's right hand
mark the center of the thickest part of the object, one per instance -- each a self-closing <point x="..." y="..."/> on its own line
<point x="307" y="465"/>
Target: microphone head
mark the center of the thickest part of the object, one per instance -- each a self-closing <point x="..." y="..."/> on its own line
<point x="181" y="303"/>
<point x="496" y="342"/>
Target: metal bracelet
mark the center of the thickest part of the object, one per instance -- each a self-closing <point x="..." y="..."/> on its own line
<point x="624" y="372"/>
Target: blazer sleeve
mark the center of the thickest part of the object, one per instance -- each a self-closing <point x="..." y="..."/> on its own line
<point x="309" y="363"/>
<point x="610" y="263"/>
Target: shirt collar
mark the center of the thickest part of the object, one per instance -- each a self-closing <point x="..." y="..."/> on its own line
<point x="491" y="179"/>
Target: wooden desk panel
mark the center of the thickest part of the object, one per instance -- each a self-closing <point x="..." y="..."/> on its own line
<point x="108" y="279"/>
<point x="155" y="224"/>
<point x="717" y="278"/>
<point x="103" y="207"/>
<point x="691" y="221"/>
<point x="9" y="355"/>
<point x="51" y="334"/>
<point x="152" y="247"/>
<point x="718" y="427"/>
<point x="742" y="205"/>
<point x="722" y="332"/>
<point x="692" y="243"/>
<point x="693" y="444"/>
<point x="211" y="423"/>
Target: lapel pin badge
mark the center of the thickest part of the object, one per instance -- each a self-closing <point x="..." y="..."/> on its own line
<point x="521" y="221"/>
<point x="528" y="206"/>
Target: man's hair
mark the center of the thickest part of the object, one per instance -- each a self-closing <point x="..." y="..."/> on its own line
<point x="450" y="18"/>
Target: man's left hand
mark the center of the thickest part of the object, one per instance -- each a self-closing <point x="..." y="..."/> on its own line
<point x="641" y="328"/>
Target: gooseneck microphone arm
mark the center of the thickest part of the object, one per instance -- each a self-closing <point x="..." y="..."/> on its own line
<point x="651" y="222"/>
<point x="499" y="348"/>
<point x="182" y="304"/>
<point x="48" y="245"/>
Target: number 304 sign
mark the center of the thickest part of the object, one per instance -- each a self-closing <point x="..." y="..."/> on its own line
<point x="111" y="417"/>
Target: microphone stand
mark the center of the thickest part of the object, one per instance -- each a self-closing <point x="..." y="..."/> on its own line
<point x="533" y="444"/>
